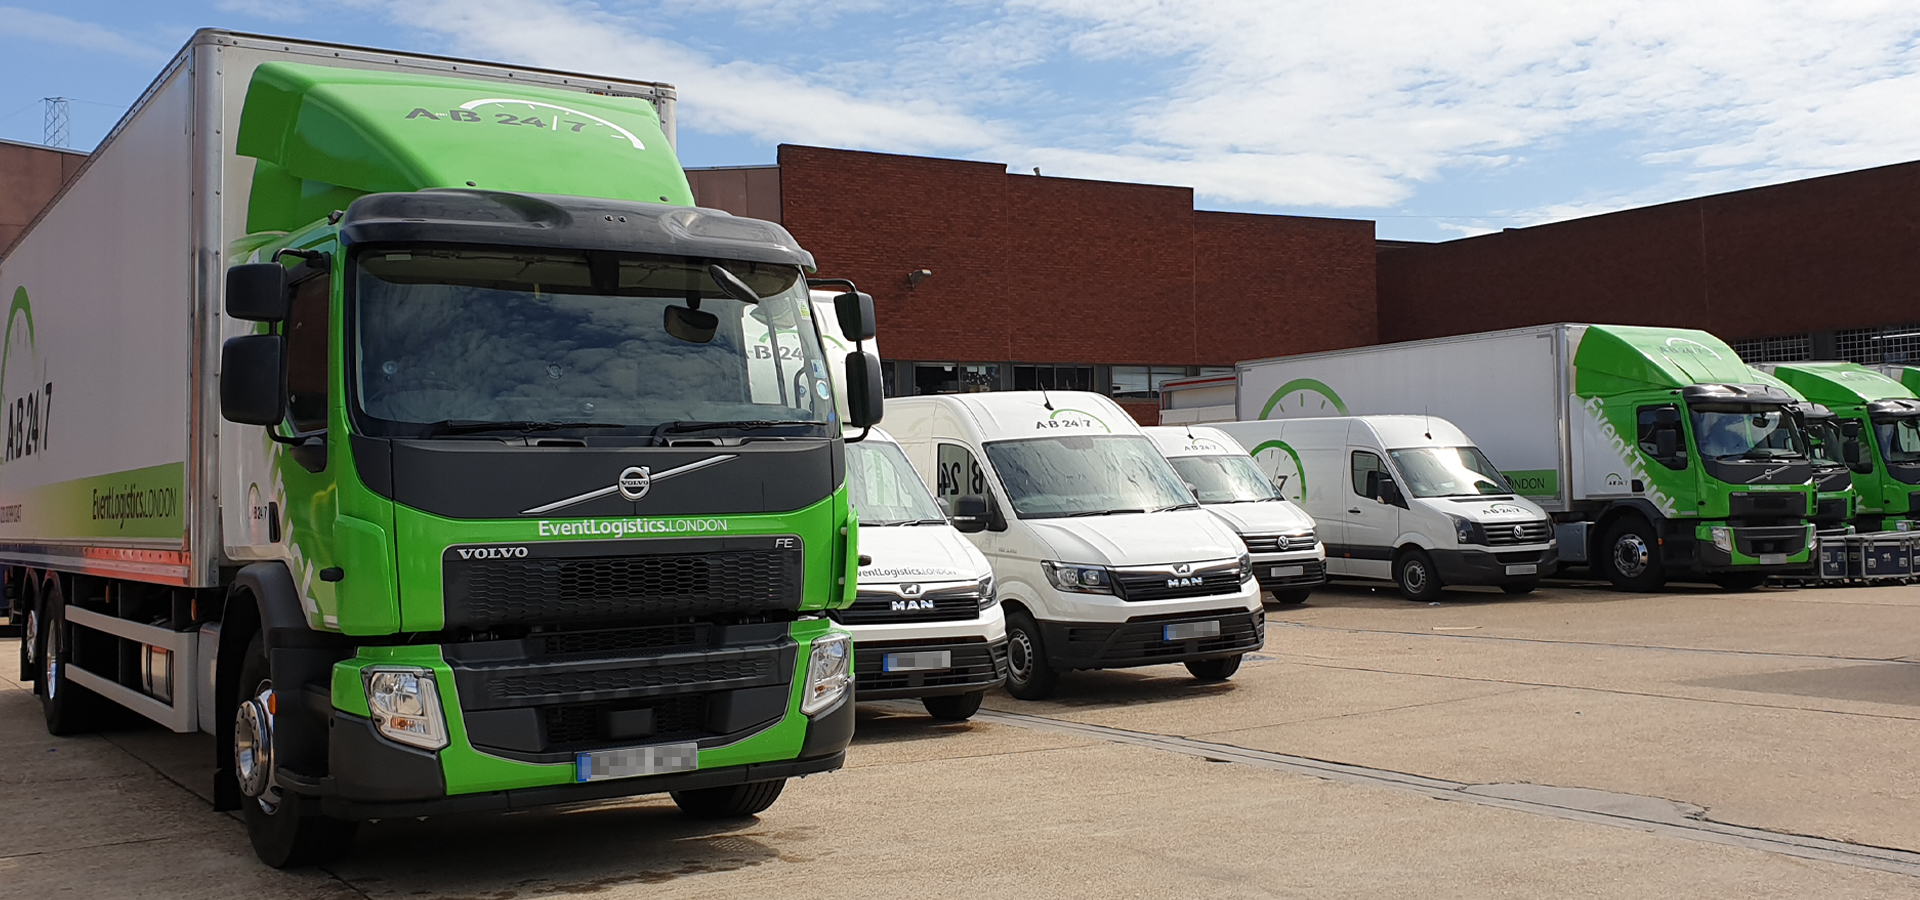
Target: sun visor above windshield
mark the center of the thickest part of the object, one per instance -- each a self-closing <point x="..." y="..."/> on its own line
<point x="567" y="223"/>
<point x="1621" y="357"/>
<point x="1736" y="395"/>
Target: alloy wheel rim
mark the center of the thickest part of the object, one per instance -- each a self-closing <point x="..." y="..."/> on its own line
<point x="1630" y="555"/>
<point x="30" y="636"/>
<point x="253" y="749"/>
<point x="50" y="664"/>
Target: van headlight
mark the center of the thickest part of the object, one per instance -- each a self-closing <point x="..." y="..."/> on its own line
<point x="829" y="672"/>
<point x="406" y="706"/>
<point x="1467" y="531"/>
<point x="987" y="597"/>
<point x="1246" y="567"/>
<point x="1722" y="538"/>
<point x="1079" y="579"/>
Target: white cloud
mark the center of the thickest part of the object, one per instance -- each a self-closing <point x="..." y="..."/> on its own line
<point x="47" y="28"/>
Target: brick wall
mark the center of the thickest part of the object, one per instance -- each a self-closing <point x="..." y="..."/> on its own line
<point x="1043" y="269"/>
<point x="1840" y="251"/>
<point x="29" y="177"/>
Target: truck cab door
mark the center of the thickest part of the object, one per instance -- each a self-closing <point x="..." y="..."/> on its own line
<point x="1372" y="525"/>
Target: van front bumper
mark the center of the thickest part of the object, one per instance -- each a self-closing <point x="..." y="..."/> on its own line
<point x="1143" y="640"/>
<point x="1494" y="567"/>
<point x="976" y="665"/>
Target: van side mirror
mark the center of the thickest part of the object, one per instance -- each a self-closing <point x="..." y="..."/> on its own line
<point x="864" y="390"/>
<point x="257" y="292"/>
<point x="854" y="309"/>
<point x="1390" y="492"/>
<point x="253" y="386"/>
<point x="1372" y="484"/>
<point x="1666" y="443"/>
<point x="970" y="514"/>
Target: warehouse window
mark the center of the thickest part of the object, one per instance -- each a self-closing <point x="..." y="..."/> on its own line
<point x="1790" y="348"/>
<point x="1052" y="378"/>
<point x="1143" y="382"/>
<point x="1899" y="344"/>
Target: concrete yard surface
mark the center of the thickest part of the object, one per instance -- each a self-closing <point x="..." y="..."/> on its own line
<point x="1572" y="743"/>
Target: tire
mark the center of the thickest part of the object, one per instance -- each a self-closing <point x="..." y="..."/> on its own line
<point x="954" y="707"/>
<point x="735" y="801"/>
<point x="1413" y="571"/>
<point x="282" y="836"/>
<point x="1520" y="587"/>
<point x="31" y="642"/>
<point x="1212" y="670"/>
<point x="69" y="708"/>
<point x="1739" y="581"/>
<point x="1290" y="596"/>
<point x="1028" y="675"/>
<point x="1630" y="558"/>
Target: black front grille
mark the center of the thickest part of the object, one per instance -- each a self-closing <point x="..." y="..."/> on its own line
<point x="975" y="662"/>
<point x="1270" y="543"/>
<point x="535" y="685"/>
<point x="1137" y="586"/>
<point x="1143" y="639"/>
<point x="637" y="580"/>
<point x="1757" y="505"/>
<point x="1832" y="511"/>
<point x="1783" y="539"/>
<point x="1312" y="571"/>
<point x="1508" y="534"/>
<point x="612" y="641"/>
<point x="882" y="607"/>
<point x="582" y="726"/>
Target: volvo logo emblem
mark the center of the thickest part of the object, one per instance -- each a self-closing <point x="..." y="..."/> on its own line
<point x="1519" y="533"/>
<point x="634" y="482"/>
<point x="909" y="590"/>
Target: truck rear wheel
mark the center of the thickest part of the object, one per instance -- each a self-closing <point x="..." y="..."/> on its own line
<point x="281" y="835"/>
<point x="1413" y="571"/>
<point x="69" y="708"/>
<point x="1630" y="556"/>
<point x="954" y="707"/>
<point x="1211" y="670"/>
<point x="1028" y="675"/>
<point x="1739" y="581"/>
<point x="735" y="801"/>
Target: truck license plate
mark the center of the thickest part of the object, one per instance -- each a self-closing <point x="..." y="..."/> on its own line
<point x="1772" y="559"/>
<point x="922" y="661"/>
<point x="1187" y="631"/>
<point x="628" y="762"/>
<point x="1286" y="571"/>
<point x="1526" y="569"/>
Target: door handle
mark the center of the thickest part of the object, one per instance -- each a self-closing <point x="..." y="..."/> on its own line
<point x="1355" y="510"/>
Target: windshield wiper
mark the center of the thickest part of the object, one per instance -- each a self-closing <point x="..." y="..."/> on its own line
<point x="742" y="424"/>
<point x="926" y="522"/>
<point x="458" y="426"/>
<point x="1188" y="505"/>
<point x="1101" y="512"/>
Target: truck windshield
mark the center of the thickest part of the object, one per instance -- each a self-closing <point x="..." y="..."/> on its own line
<point x="1747" y="434"/>
<point x="1824" y="439"/>
<point x="884" y="489"/>
<point x="547" y="339"/>
<point x="1448" y="472"/>
<point x="1899" y="439"/>
<point x="1051" y="477"/>
<point x="1224" y="479"/>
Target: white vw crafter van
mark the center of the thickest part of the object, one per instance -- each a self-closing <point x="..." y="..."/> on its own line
<point x="1287" y="557"/>
<point x="925" y="622"/>
<point x="1101" y="557"/>
<point x="1405" y="497"/>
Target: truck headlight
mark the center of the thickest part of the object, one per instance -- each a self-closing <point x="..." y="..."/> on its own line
<point x="829" y="672"/>
<point x="406" y="706"/>
<point x="1722" y="538"/>
<point x="1467" y="531"/>
<point x="1079" y="579"/>
<point x="987" y="597"/>
<point x="1903" y="525"/>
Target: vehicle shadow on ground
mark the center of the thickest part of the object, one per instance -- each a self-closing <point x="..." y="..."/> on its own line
<point x="903" y="722"/>
<point x="1568" y="591"/>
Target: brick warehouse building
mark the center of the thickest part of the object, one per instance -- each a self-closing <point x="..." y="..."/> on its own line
<point x="30" y="174"/>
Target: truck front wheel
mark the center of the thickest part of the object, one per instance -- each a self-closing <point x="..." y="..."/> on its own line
<point x="1630" y="555"/>
<point x="282" y="836"/>
<point x="1028" y="675"/>
<point x="736" y="801"/>
<point x="954" y="707"/>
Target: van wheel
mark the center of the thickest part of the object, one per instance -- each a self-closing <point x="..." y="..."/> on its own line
<point x="735" y="801"/>
<point x="954" y="707"/>
<point x="1414" y="572"/>
<point x="69" y="708"/>
<point x="1520" y="587"/>
<point x="1739" y="581"/>
<point x="1630" y="556"/>
<point x="282" y="836"/>
<point x="1291" y="596"/>
<point x="1212" y="670"/>
<point x="1028" y="675"/>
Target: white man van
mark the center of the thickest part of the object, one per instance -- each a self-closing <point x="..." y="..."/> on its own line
<point x="1101" y="557"/>
<point x="926" y="622"/>
<point x="1405" y="497"/>
<point x="1287" y="557"/>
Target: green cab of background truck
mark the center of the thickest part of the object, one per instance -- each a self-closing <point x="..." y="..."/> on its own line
<point x="530" y="474"/>
<point x="1835" y="499"/>
<point x="1878" y="429"/>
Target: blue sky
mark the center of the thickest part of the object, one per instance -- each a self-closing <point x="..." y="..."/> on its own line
<point x="1435" y="119"/>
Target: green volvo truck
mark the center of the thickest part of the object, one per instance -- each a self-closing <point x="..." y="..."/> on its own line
<point x="1835" y="501"/>
<point x="400" y="422"/>
<point x="1653" y="448"/>
<point x="1879" y="421"/>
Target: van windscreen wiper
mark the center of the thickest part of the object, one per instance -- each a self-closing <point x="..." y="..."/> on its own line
<point x="1101" y="512"/>
<point x="741" y="424"/>
<point x="1178" y="506"/>
<point x="461" y="426"/>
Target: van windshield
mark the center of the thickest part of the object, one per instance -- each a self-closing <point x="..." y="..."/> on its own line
<point x="884" y="489"/>
<point x="1051" y="477"/>
<point x="1224" y="479"/>
<point x="1449" y="472"/>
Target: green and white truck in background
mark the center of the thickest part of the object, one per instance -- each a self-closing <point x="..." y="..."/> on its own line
<point x="1835" y="499"/>
<point x="1879" y="424"/>
<point x="1653" y="449"/>
<point x="400" y="422"/>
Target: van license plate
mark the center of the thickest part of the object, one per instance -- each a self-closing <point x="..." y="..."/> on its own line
<point x="1187" y="631"/>
<point x="1773" y="559"/>
<point x="628" y="762"/>
<point x="1527" y="569"/>
<point x="1287" y="571"/>
<point x="922" y="661"/>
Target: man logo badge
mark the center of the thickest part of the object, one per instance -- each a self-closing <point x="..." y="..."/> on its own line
<point x="909" y="590"/>
<point x="632" y="484"/>
<point x="1182" y="571"/>
<point x="1183" y="568"/>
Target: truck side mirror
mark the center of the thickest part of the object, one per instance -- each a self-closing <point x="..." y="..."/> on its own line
<point x="1666" y="443"/>
<point x="864" y="390"/>
<point x="1850" y="452"/>
<point x="253" y="387"/>
<point x="970" y="514"/>
<point x="854" y="309"/>
<point x="1850" y="428"/>
<point x="257" y="292"/>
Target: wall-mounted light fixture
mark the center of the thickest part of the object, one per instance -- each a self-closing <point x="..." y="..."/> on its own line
<point x="918" y="275"/>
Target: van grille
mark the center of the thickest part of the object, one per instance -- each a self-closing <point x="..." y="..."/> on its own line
<point x="1162" y="583"/>
<point x="1270" y="543"/>
<point x="878" y="607"/>
<point x="1523" y="533"/>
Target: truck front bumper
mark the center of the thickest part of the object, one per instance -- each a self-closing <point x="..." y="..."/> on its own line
<point x="1494" y="567"/>
<point x="1745" y="547"/>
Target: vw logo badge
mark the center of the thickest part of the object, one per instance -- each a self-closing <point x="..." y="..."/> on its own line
<point x="1519" y="533"/>
<point x="909" y="590"/>
<point x="1281" y="543"/>
<point x="634" y="482"/>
